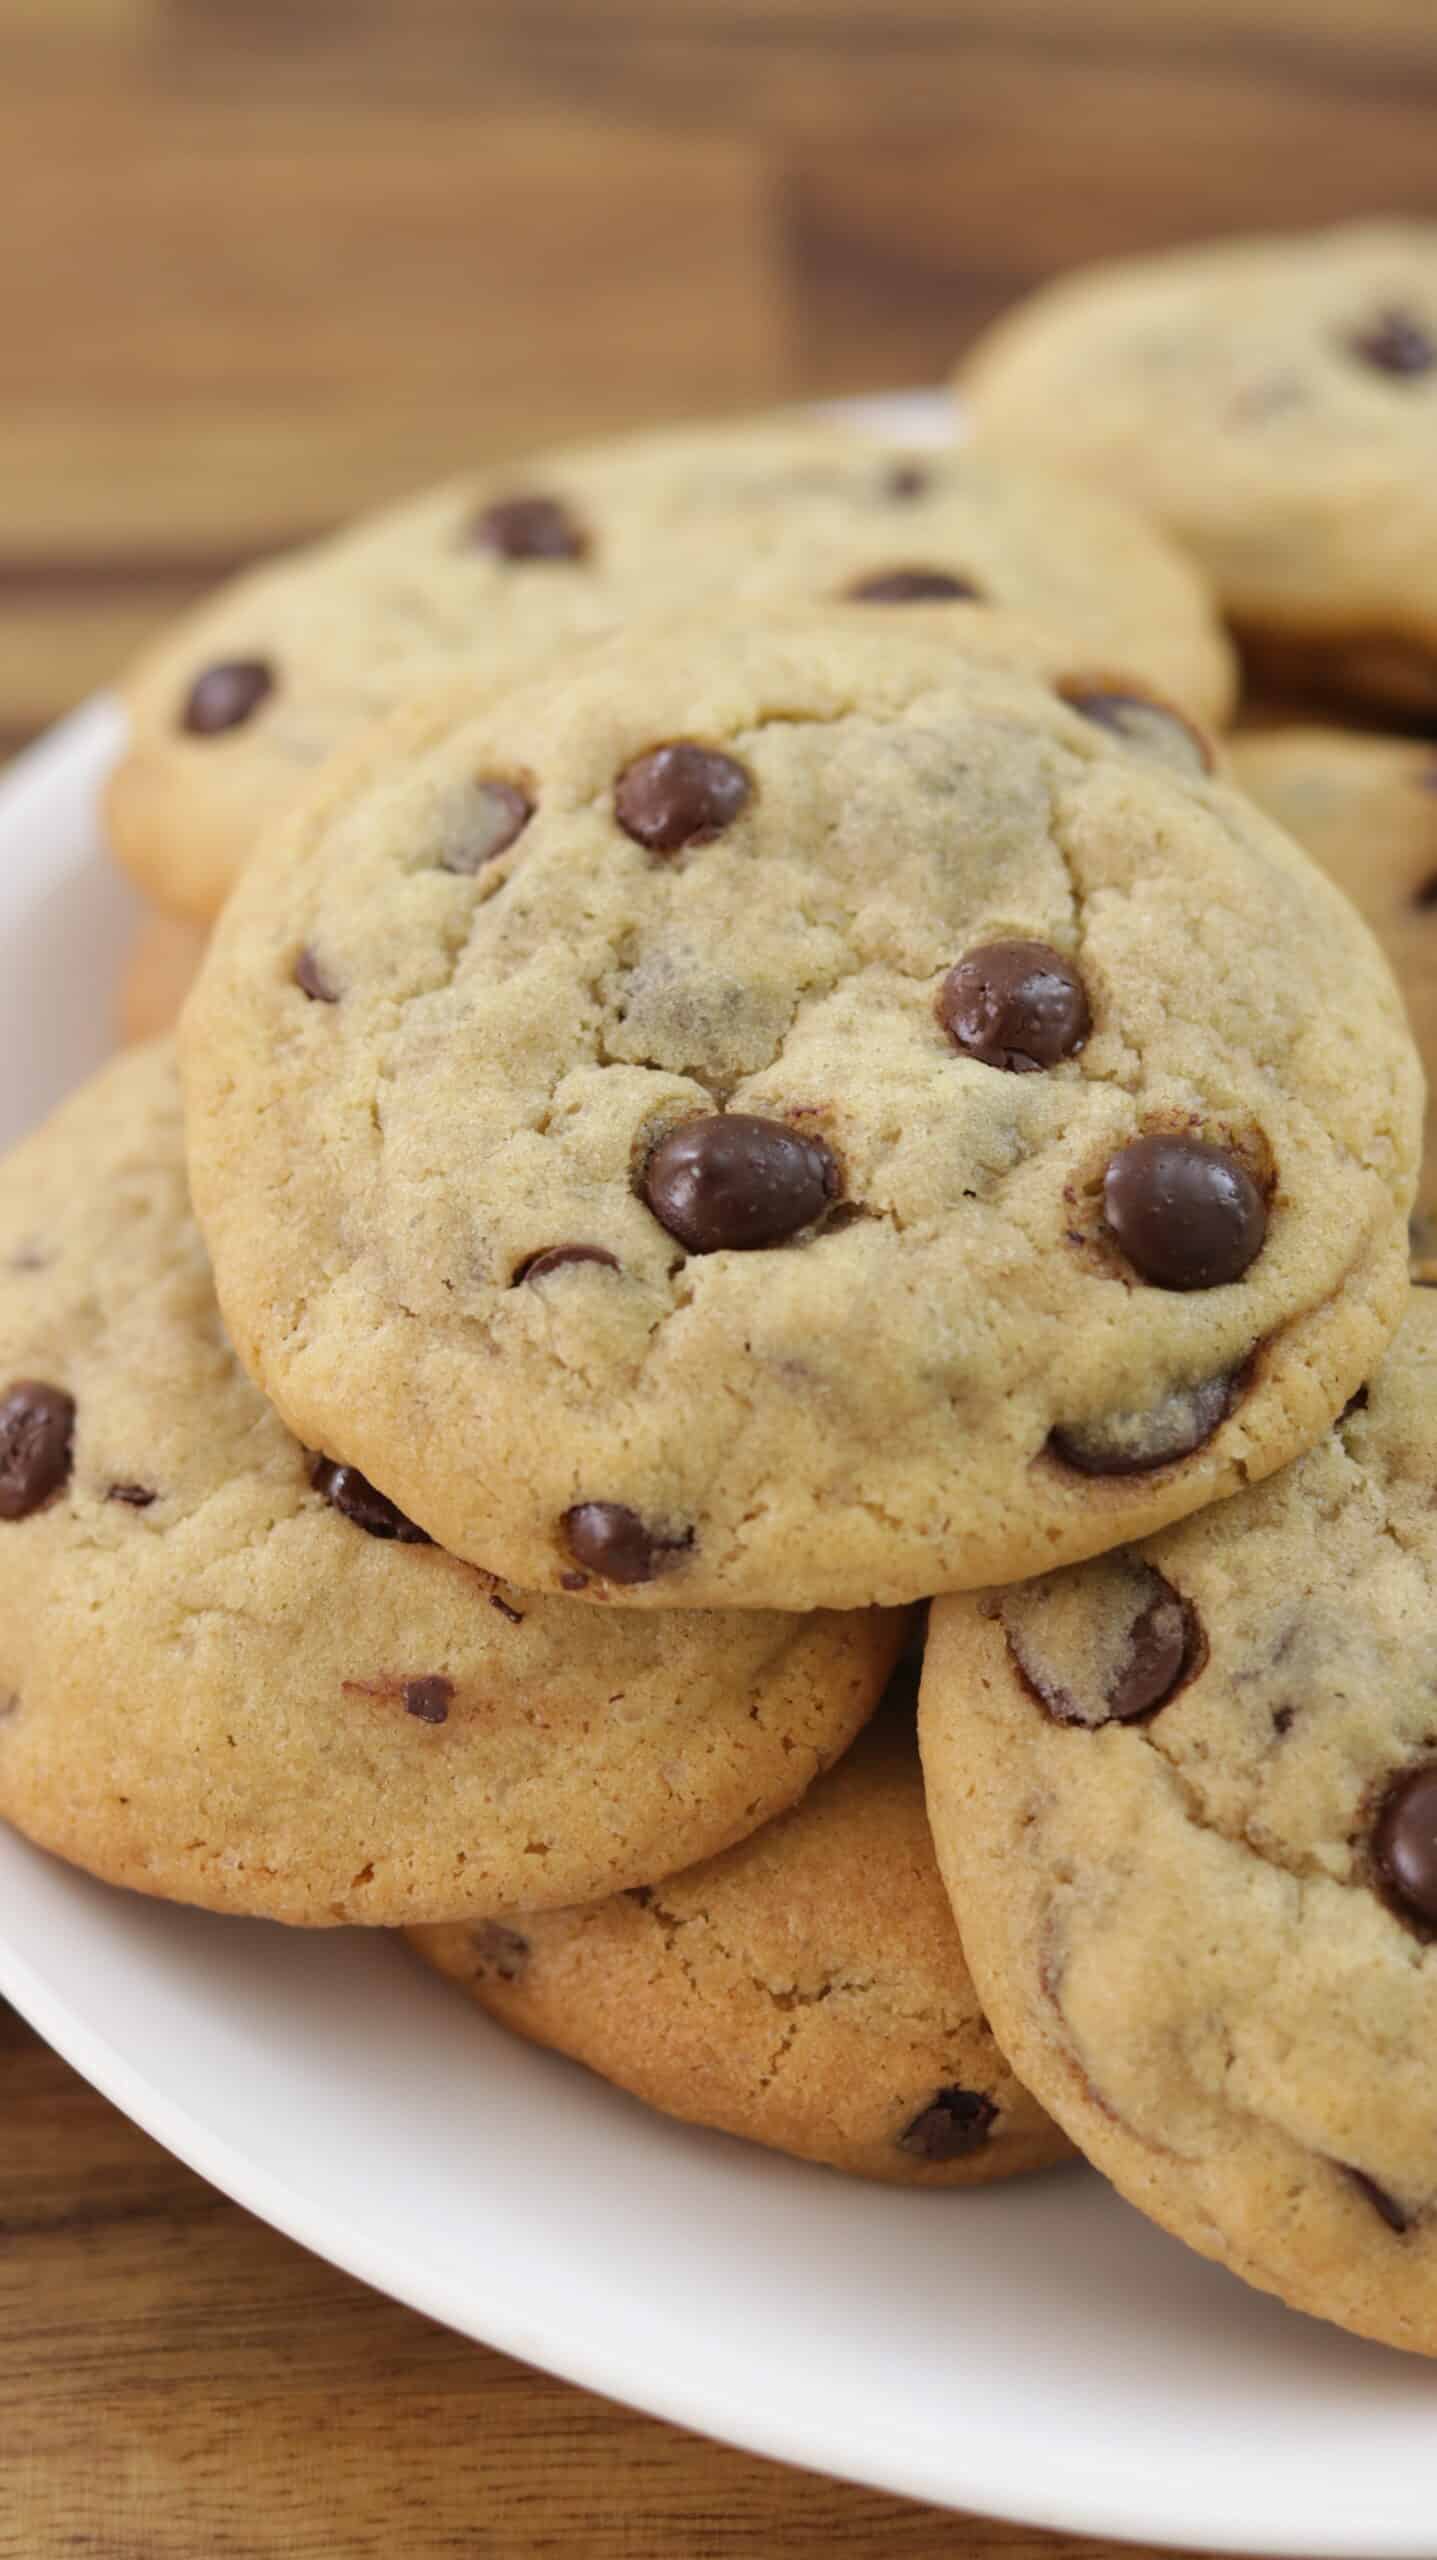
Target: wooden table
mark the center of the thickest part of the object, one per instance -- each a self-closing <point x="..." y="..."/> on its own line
<point x="265" y="261"/>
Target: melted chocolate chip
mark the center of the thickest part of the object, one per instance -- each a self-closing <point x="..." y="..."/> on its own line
<point x="310" y="976"/>
<point x="226" y="695"/>
<point x="554" y="1257"/>
<point x="429" y="1698"/>
<point x="1152" y="727"/>
<point x="362" y="1502"/>
<point x="615" y="1543"/>
<point x="1016" y="1005"/>
<point x="529" y="528"/>
<point x="1162" y="1647"/>
<point x="912" y="586"/>
<point x="1187" y="1215"/>
<point x="1404" y="1844"/>
<point x="500" y="1950"/>
<point x="954" y="2123"/>
<point x="1131" y="1444"/>
<point x="494" y="816"/>
<point x="138" y="1496"/>
<point x="735" y="1182"/>
<point x="37" y="1431"/>
<point x="514" y="1616"/>
<point x="678" y="795"/>
<point x="1394" y="343"/>
<point x="1396" y="2216"/>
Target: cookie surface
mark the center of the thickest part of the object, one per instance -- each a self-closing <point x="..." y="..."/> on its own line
<point x="876" y="1127"/>
<point x="158" y="973"/>
<point x="1366" y="809"/>
<point x="231" y="1678"/>
<point x="806" y="1990"/>
<point x="231" y="710"/>
<point x="1271" y="401"/>
<point x="1205" y="1935"/>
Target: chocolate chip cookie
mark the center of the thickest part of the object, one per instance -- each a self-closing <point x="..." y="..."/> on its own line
<point x="231" y="710"/>
<point x="806" y="1990"/>
<point x="886" y="1118"/>
<point x="231" y="1673"/>
<point x="1185" y="1799"/>
<point x="158" y="973"/>
<point x="1366" y="808"/>
<point x="1273" y="403"/>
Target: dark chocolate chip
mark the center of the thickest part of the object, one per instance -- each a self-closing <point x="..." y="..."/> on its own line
<point x="681" y="794"/>
<point x="37" y="1431"/>
<point x="138" y="1496"/>
<point x="615" y="1543"/>
<point x="1187" y="1215"/>
<point x="429" y="1698"/>
<point x="1394" y="343"/>
<point x="1396" y="2216"/>
<point x="1131" y="1444"/>
<point x="905" y="480"/>
<point x="500" y="1950"/>
<point x="1141" y="721"/>
<point x="514" y="1616"/>
<point x="912" y="586"/>
<point x="1404" y="1843"/>
<point x="310" y="976"/>
<point x="1017" y="1005"/>
<point x="494" y="816"/>
<point x="1163" y="1646"/>
<point x="554" y="1257"/>
<point x="1282" y="1719"/>
<point x="954" y="2123"/>
<point x="529" y="528"/>
<point x="226" y="695"/>
<point x="574" y="1581"/>
<point x="735" y="1182"/>
<point x="364" y="1504"/>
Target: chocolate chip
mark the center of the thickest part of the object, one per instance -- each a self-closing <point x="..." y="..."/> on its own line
<point x="1187" y="1215"/>
<point x="1160" y="1642"/>
<point x="954" y="2123"/>
<point x="529" y="528"/>
<point x="1159" y="1649"/>
<point x="912" y="586"/>
<point x="1404" y="1843"/>
<point x="37" y="1430"/>
<point x="1282" y="1719"/>
<point x="905" y="480"/>
<point x="1017" y="1005"/>
<point x="310" y="977"/>
<point x="554" y="1257"/>
<point x="1394" y="343"/>
<point x="494" y="816"/>
<point x="1128" y="1444"/>
<point x="681" y="794"/>
<point x="1141" y="721"/>
<point x="364" y="1504"/>
<point x="1396" y="2216"/>
<point x="429" y="1698"/>
<point x="514" y="1616"/>
<point x="735" y="1182"/>
<point x="226" y="695"/>
<point x="500" y="1950"/>
<point x="138" y="1496"/>
<point x="573" y="1582"/>
<point x="614" y="1542"/>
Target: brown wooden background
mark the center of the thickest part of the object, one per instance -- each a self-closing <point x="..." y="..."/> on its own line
<point x="262" y="261"/>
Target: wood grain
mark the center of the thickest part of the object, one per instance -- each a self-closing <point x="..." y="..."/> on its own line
<point x="268" y="261"/>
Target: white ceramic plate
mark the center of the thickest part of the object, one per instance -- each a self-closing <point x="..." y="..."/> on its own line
<point x="1038" y="2352"/>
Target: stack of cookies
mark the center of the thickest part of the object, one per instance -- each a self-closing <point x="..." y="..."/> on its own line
<point x="754" y="1069"/>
